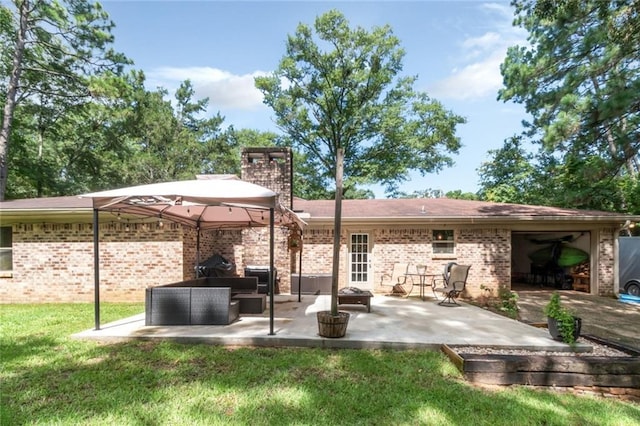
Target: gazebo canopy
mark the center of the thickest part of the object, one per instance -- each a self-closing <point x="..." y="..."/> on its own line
<point x="200" y="203"/>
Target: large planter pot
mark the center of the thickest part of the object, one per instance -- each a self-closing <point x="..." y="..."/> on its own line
<point x="332" y="325"/>
<point x="556" y="333"/>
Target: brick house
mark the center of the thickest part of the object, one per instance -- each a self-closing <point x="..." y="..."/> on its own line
<point x="46" y="250"/>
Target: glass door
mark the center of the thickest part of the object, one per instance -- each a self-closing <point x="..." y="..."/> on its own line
<point x="360" y="261"/>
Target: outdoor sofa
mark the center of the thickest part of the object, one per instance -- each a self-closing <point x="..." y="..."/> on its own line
<point x="203" y="301"/>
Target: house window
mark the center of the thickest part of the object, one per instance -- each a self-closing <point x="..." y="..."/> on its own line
<point x="6" y="251"/>
<point x="443" y="241"/>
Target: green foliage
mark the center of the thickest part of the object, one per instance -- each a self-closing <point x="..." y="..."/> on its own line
<point x="350" y="97"/>
<point x="127" y="136"/>
<point x="553" y="309"/>
<point x="425" y="193"/>
<point x="505" y="304"/>
<point x="510" y="170"/>
<point x="565" y="317"/>
<point x="176" y="143"/>
<point x="435" y="193"/>
<point x="56" y="61"/>
<point x="508" y="302"/>
<point x="579" y="78"/>
<point x="459" y="195"/>
<point x="50" y="378"/>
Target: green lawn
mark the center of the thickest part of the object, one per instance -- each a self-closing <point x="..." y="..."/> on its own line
<point x="49" y="378"/>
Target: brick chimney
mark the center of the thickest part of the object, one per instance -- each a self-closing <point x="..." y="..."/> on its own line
<point x="272" y="168"/>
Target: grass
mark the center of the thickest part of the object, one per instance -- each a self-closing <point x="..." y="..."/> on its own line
<point x="49" y="378"/>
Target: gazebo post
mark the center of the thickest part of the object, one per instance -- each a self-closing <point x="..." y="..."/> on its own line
<point x="271" y="252"/>
<point x="198" y="250"/>
<point x="300" y="270"/>
<point x="96" y="267"/>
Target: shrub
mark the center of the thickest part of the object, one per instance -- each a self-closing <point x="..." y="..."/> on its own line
<point x="566" y="318"/>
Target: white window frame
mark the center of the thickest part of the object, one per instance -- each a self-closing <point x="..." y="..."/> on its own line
<point x="6" y="249"/>
<point x="443" y="242"/>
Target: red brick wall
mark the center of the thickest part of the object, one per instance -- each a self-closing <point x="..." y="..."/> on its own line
<point x="227" y="243"/>
<point x="317" y="246"/>
<point x="488" y="251"/>
<point x="606" y="277"/>
<point x="54" y="262"/>
<point x="256" y="252"/>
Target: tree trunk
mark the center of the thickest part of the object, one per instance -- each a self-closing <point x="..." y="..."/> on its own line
<point x="337" y="231"/>
<point x="40" y="164"/>
<point x="12" y="90"/>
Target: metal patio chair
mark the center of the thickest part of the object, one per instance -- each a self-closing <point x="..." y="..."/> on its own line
<point x="453" y="283"/>
<point x="398" y="279"/>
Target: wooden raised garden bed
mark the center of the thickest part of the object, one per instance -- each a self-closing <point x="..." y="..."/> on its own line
<point x="548" y="370"/>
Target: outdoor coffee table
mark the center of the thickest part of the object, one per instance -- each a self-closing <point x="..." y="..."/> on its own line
<point x="363" y="298"/>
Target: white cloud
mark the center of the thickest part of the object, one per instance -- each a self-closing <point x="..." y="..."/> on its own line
<point x="224" y="89"/>
<point x="477" y="46"/>
<point x="477" y="73"/>
<point x="502" y="8"/>
<point x="473" y="81"/>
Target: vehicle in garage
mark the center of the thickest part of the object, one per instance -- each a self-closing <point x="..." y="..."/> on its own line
<point x="630" y="265"/>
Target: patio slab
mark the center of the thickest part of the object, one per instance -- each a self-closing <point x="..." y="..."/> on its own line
<point x="398" y="323"/>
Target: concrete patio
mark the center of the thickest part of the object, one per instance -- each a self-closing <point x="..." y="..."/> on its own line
<point x="398" y="323"/>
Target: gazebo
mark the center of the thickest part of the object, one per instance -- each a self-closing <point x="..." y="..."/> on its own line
<point x="204" y="204"/>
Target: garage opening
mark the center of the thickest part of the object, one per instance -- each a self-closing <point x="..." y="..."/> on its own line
<point x="557" y="259"/>
<point x="629" y="266"/>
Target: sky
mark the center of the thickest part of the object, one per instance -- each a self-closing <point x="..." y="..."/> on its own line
<point x="455" y="49"/>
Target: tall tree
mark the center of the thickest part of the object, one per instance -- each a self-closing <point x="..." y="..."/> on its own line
<point x="175" y="143"/>
<point x="55" y="50"/>
<point x="337" y="94"/>
<point x="511" y="170"/>
<point x="61" y="147"/>
<point x="579" y="78"/>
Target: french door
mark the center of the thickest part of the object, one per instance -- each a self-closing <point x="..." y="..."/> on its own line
<point x="360" y="261"/>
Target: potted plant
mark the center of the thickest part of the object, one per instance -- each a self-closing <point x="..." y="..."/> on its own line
<point x="563" y="324"/>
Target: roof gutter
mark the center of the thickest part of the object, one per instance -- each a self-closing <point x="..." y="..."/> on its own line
<point x="497" y="220"/>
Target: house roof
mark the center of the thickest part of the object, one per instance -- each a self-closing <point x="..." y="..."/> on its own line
<point x="397" y="211"/>
<point x="48" y="203"/>
<point x="445" y="209"/>
<point x="431" y="207"/>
